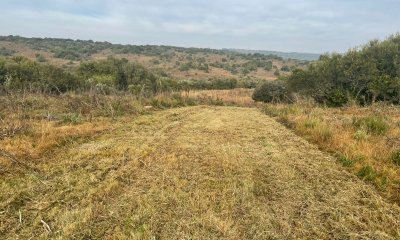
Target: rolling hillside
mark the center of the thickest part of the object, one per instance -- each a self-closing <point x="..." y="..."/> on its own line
<point x="179" y="63"/>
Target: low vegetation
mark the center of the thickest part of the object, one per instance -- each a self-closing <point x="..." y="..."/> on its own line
<point x="32" y="125"/>
<point x="199" y="172"/>
<point x="366" y="140"/>
<point x="364" y="75"/>
<point x="235" y="97"/>
<point x="273" y="92"/>
<point x="160" y="168"/>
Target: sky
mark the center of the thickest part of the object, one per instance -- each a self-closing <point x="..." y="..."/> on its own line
<point x="315" y="26"/>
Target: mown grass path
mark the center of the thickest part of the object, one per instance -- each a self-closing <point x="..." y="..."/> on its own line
<point x="194" y="173"/>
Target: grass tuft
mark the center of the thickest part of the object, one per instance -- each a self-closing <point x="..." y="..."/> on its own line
<point x="371" y="124"/>
<point x="396" y="157"/>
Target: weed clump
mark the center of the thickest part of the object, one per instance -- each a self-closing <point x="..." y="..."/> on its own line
<point x="349" y="161"/>
<point x="396" y="157"/>
<point x="71" y="118"/>
<point x="360" y="135"/>
<point x="346" y="161"/>
<point x="367" y="173"/>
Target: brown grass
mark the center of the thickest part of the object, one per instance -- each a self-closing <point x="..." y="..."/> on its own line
<point x="365" y="153"/>
<point x="238" y="97"/>
<point x="33" y="124"/>
<point x="193" y="173"/>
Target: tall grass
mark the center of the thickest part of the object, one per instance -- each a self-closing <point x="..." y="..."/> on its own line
<point x="33" y="124"/>
<point x="366" y="140"/>
<point x="238" y="97"/>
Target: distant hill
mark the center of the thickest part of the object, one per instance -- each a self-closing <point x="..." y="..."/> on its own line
<point x="286" y="55"/>
<point x="178" y="62"/>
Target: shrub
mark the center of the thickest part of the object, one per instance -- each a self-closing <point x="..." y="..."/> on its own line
<point x="336" y="98"/>
<point x="366" y="74"/>
<point x="40" y="58"/>
<point x="371" y="124"/>
<point x="285" y="68"/>
<point x="273" y="92"/>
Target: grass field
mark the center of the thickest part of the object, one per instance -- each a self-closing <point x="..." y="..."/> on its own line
<point x="195" y="172"/>
<point x="94" y="166"/>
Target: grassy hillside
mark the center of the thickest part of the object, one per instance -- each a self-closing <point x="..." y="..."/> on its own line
<point x="179" y="63"/>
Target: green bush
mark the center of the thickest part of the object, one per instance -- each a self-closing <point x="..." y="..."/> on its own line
<point x="366" y="74"/>
<point x="336" y="98"/>
<point x="273" y="92"/>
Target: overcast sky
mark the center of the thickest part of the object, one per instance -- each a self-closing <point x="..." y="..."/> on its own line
<point x="286" y="25"/>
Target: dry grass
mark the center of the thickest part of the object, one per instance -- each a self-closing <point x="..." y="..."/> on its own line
<point x="193" y="173"/>
<point x="364" y="139"/>
<point x="32" y="125"/>
<point x="238" y="97"/>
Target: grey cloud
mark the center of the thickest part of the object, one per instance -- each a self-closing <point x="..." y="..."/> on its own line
<point x="288" y="25"/>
